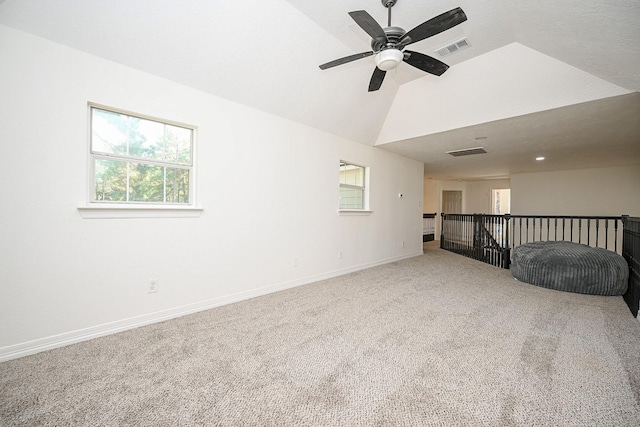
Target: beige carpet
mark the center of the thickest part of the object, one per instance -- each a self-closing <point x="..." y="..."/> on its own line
<point x="435" y="340"/>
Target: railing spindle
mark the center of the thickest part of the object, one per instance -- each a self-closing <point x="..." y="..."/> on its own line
<point x="571" y="230"/>
<point x="580" y="230"/>
<point x="491" y="238"/>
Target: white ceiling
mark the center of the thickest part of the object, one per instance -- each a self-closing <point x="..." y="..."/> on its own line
<point x="265" y="54"/>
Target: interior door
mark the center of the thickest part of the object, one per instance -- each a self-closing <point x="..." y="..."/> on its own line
<point x="452" y="202"/>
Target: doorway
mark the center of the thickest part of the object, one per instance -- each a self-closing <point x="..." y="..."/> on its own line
<point x="501" y="201"/>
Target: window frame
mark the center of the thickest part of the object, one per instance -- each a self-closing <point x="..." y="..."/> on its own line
<point x="365" y="209"/>
<point x="136" y="209"/>
<point x="493" y="200"/>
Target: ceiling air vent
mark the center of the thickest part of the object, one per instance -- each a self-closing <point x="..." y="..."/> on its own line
<point x="467" y="152"/>
<point x="453" y="47"/>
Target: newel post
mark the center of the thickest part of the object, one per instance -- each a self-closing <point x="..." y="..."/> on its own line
<point x="506" y="258"/>
<point x="441" y="230"/>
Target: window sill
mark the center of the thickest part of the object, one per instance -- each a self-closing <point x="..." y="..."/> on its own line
<point x="121" y="211"/>
<point x="351" y="212"/>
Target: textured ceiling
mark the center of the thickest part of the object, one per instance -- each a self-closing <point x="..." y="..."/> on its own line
<point x="600" y="133"/>
<point x="266" y="55"/>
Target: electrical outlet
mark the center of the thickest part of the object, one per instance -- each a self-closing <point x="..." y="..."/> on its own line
<point x="403" y="244"/>
<point x="152" y="286"/>
<point x="340" y="255"/>
<point x="296" y="262"/>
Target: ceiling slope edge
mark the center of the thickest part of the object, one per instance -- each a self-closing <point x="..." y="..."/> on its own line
<point x="510" y="81"/>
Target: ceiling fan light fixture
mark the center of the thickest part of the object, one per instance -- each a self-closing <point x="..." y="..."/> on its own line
<point x="387" y="44"/>
<point x="389" y="59"/>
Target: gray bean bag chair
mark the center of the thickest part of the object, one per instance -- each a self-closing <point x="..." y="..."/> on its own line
<point x="571" y="267"/>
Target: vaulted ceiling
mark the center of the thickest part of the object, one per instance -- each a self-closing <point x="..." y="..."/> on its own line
<point x="552" y="78"/>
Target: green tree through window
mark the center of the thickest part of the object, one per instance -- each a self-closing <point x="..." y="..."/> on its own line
<point x="137" y="159"/>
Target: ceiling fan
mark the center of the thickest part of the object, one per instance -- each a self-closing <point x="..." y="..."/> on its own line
<point x="387" y="44"/>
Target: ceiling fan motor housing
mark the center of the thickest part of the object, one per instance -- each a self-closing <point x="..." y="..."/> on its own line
<point x="387" y="44"/>
<point x="394" y="35"/>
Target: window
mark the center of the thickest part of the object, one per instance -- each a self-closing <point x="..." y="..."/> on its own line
<point x="140" y="160"/>
<point x="500" y="201"/>
<point x="353" y="193"/>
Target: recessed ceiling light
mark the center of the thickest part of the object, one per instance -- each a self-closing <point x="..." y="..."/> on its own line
<point x="539" y="158"/>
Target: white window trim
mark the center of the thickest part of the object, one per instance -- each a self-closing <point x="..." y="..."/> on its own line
<point x="106" y="211"/>
<point x="110" y="210"/>
<point x="366" y="210"/>
<point x="354" y="212"/>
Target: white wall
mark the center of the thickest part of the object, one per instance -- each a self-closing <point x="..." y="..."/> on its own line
<point x="598" y="192"/>
<point x="478" y="199"/>
<point x="510" y="81"/>
<point x="431" y="195"/>
<point x="268" y="188"/>
<point x="476" y="195"/>
<point x="602" y="191"/>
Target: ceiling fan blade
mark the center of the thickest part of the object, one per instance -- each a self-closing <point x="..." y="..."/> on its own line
<point x="376" y="79"/>
<point x="367" y="23"/>
<point x="425" y="63"/>
<point x="344" y="60"/>
<point x="434" y="26"/>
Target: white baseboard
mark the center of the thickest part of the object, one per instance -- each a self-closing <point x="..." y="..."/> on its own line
<point x="60" y="340"/>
